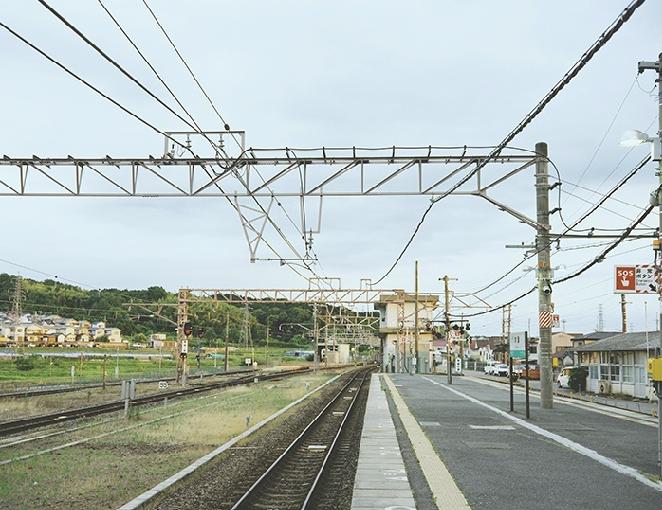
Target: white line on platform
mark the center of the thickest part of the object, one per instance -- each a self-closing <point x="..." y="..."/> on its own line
<point x="614" y="412"/>
<point x="492" y="427"/>
<point x="568" y="443"/>
<point x="447" y="494"/>
<point x="140" y="500"/>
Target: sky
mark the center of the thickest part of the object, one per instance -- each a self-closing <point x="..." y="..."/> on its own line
<point x="370" y="74"/>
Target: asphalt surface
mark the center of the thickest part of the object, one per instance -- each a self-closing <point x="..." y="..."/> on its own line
<point x="515" y="468"/>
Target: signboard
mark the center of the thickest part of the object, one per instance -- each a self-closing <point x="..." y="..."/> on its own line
<point x="556" y="320"/>
<point x="624" y="279"/>
<point x="516" y="345"/>
<point x="645" y="279"/>
<point x="455" y="336"/>
<point x="636" y="279"/>
<point x="184" y="347"/>
<point x="163" y="385"/>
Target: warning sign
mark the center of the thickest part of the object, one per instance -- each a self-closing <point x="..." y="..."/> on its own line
<point x="636" y="279"/>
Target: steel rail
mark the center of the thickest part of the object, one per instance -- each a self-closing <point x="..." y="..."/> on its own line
<point x="69" y="389"/>
<point x="250" y="491"/>
<point x="23" y="424"/>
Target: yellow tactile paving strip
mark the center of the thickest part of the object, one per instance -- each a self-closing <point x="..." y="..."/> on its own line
<point x="447" y="494"/>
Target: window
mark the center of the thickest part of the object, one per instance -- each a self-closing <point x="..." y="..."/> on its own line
<point x="641" y="375"/>
<point x="628" y="358"/>
<point x="604" y="371"/>
<point x="603" y="358"/>
<point x="593" y="372"/>
<point x="628" y="374"/>
<point x="615" y="372"/>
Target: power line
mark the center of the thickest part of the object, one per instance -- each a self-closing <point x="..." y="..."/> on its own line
<point x="574" y="70"/>
<point x="152" y="127"/>
<point x="218" y="114"/>
<point x="596" y="260"/>
<point x="588" y="213"/>
<point x="181" y="58"/>
<point x="49" y="275"/>
<point x="604" y="136"/>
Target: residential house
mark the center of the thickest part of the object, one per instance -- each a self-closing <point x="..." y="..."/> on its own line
<point x="617" y="364"/>
<point x="589" y="338"/>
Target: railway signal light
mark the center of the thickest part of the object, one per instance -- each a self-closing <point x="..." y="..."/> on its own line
<point x="188" y="329"/>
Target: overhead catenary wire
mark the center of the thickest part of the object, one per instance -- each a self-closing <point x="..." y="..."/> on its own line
<point x="596" y="260"/>
<point x="137" y="117"/>
<point x="230" y="168"/>
<point x="172" y="94"/>
<point x="568" y="228"/>
<point x="574" y="70"/>
<point x="219" y="115"/>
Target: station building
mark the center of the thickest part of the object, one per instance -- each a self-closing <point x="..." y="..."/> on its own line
<point x="397" y="330"/>
<point x="617" y="364"/>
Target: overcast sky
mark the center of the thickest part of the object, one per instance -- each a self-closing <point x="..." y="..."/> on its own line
<point x="302" y="74"/>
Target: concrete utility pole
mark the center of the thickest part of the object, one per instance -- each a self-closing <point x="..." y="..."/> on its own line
<point x="447" y="318"/>
<point x="316" y="338"/>
<point x="17" y="306"/>
<point x="182" y="340"/>
<point x="641" y="67"/>
<point x="267" y="354"/>
<point x="544" y="278"/>
<point x="624" y="314"/>
<point x="416" y="325"/>
<point x="226" y="361"/>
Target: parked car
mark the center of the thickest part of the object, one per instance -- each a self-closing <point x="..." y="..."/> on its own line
<point x="563" y="379"/>
<point x="500" y="370"/>
<point x="489" y="367"/>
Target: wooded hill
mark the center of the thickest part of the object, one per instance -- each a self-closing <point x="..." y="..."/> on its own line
<point x="209" y="321"/>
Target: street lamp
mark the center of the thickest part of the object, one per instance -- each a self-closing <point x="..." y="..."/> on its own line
<point x="633" y="137"/>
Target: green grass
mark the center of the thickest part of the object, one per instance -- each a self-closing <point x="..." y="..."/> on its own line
<point x="58" y="370"/>
<point x="107" y="472"/>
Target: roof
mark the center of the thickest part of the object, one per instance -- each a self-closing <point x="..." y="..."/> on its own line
<point x="596" y="335"/>
<point x="624" y="342"/>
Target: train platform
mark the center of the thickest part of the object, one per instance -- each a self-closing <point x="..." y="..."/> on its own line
<point x="471" y="452"/>
<point x="381" y="479"/>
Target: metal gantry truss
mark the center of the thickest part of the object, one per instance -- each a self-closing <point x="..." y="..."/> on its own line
<point x="256" y="179"/>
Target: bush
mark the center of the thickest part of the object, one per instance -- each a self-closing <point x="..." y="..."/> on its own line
<point x="24" y="363"/>
<point x="578" y="378"/>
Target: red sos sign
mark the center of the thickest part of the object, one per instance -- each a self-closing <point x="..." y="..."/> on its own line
<point x="625" y="280"/>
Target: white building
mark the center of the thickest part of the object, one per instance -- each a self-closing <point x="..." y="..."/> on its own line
<point x="397" y="330"/>
<point x="618" y="364"/>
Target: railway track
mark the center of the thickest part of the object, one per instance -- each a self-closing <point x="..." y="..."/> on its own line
<point x="292" y="480"/>
<point x="81" y="387"/>
<point x="20" y="425"/>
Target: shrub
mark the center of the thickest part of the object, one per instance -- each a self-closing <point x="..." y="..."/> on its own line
<point x="24" y="363"/>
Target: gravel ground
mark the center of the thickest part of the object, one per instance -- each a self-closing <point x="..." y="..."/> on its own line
<point x="222" y="482"/>
<point x="335" y="488"/>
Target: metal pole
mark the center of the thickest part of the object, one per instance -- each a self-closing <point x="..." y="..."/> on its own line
<point x="447" y="312"/>
<point x="103" y="384"/>
<point x="624" y="314"/>
<point x="641" y="67"/>
<point x="226" y="361"/>
<point x="659" y="240"/>
<point x="267" y="354"/>
<point x="182" y="318"/>
<point x="510" y="383"/>
<point x="416" y="317"/>
<point x="544" y="278"/>
<point x="316" y="339"/>
<point x="526" y="367"/>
